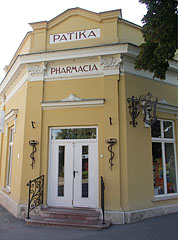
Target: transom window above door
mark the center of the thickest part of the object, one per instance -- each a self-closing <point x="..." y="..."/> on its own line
<point x="73" y="133"/>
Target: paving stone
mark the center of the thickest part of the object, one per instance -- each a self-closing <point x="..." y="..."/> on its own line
<point x="159" y="228"/>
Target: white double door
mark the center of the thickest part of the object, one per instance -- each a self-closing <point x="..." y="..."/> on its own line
<point x="73" y="174"/>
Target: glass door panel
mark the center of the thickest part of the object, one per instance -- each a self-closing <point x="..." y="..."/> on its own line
<point x="61" y="164"/>
<point x="60" y="181"/>
<point x="85" y="171"/>
<point x="86" y="177"/>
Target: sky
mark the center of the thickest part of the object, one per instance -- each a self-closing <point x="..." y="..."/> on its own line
<point x="16" y="14"/>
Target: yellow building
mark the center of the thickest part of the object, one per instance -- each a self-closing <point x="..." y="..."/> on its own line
<point x="66" y="92"/>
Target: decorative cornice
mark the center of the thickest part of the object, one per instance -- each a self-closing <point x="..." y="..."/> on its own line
<point x="72" y="102"/>
<point x="162" y="106"/>
<point x="11" y="115"/>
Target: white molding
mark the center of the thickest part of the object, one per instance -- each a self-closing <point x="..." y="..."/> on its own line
<point x="128" y="65"/>
<point x="59" y="141"/>
<point x="72" y="104"/>
<point x="16" y="87"/>
<point x="167" y="108"/>
<point x="70" y="54"/>
<point x="107" y="55"/>
<point x="57" y="78"/>
<point x="11" y="116"/>
<point x="165" y="197"/>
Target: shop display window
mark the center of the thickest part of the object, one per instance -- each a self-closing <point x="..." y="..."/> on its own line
<point x="164" y="158"/>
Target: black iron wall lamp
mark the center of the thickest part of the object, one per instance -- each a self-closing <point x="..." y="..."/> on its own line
<point x="145" y="102"/>
<point x="33" y="143"/>
<point x="111" y="142"/>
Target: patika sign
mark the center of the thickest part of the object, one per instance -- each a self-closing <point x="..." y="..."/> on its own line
<point x="75" y="36"/>
<point x="73" y="69"/>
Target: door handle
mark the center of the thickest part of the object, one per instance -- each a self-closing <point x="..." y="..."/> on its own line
<point x="74" y="172"/>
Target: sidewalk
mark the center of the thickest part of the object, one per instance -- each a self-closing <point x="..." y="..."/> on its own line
<point x="160" y="228"/>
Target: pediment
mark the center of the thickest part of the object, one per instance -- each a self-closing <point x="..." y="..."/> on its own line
<point x="76" y="12"/>
<point x="71" y="13"/>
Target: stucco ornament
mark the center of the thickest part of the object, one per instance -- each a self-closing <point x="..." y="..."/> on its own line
<point x="110" y="62"/>
<point x="2" y="100"/>
<point x="71" y="97"/>
<point x="37" y="69"/>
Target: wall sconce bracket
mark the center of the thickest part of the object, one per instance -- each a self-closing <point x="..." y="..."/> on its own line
<point x="33" y="143"/>
<point x="111" y="142"/>
<point x="146" y="102"/>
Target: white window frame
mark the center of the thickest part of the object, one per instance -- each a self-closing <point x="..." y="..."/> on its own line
<point x="73" y="140"/>
<point x="164" y="140"/>
<point x="10" y="157"/>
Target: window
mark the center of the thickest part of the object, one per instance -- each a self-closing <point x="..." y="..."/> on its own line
<point x="164" y="158"/>
<point x="73" y="133"/>
<point x="10" y="155"/>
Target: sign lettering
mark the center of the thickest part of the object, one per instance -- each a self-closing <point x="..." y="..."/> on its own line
<point x="74" y="69"/>
<point x="75" y="36"/>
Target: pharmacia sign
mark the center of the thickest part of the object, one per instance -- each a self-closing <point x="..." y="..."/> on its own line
<point x="75" y="36"/>
<point x="74" y="69"/>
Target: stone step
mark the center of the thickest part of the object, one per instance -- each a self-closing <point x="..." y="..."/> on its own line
<point x="56" y="222"/>
<point x="70" y="213"/>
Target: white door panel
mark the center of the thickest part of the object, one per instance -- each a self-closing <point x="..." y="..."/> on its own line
<point x="73" y="174"/>
<point x="60" y="174"/>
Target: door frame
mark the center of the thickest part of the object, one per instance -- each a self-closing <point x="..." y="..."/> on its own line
<point x="60" y="141"/>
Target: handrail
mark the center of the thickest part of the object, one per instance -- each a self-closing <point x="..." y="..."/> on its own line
<point x="102" y="197"/>
<point x="35" y="197"/>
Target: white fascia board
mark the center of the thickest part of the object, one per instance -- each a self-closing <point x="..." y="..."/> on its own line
<point x="75" y="53"/>
<point x="128" y="64"/>
<point x="12" y="74"/>
<point x="134" y="50"/>
<point x="167" y="108"/>
<point x="95" y="51"/>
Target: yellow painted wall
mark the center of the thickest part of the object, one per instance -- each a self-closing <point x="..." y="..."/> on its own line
<point x="123" y="147"/>
<point x="139" y="144"/>
<point x="33" y="113"/>
<point x="129" y="33"/>
<point x="98" y="116"/>
<point x="38" y="41"/>
<point x="16" y="102"/>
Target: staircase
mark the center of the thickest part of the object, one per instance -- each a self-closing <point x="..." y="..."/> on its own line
<point x="68" y="217"/>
